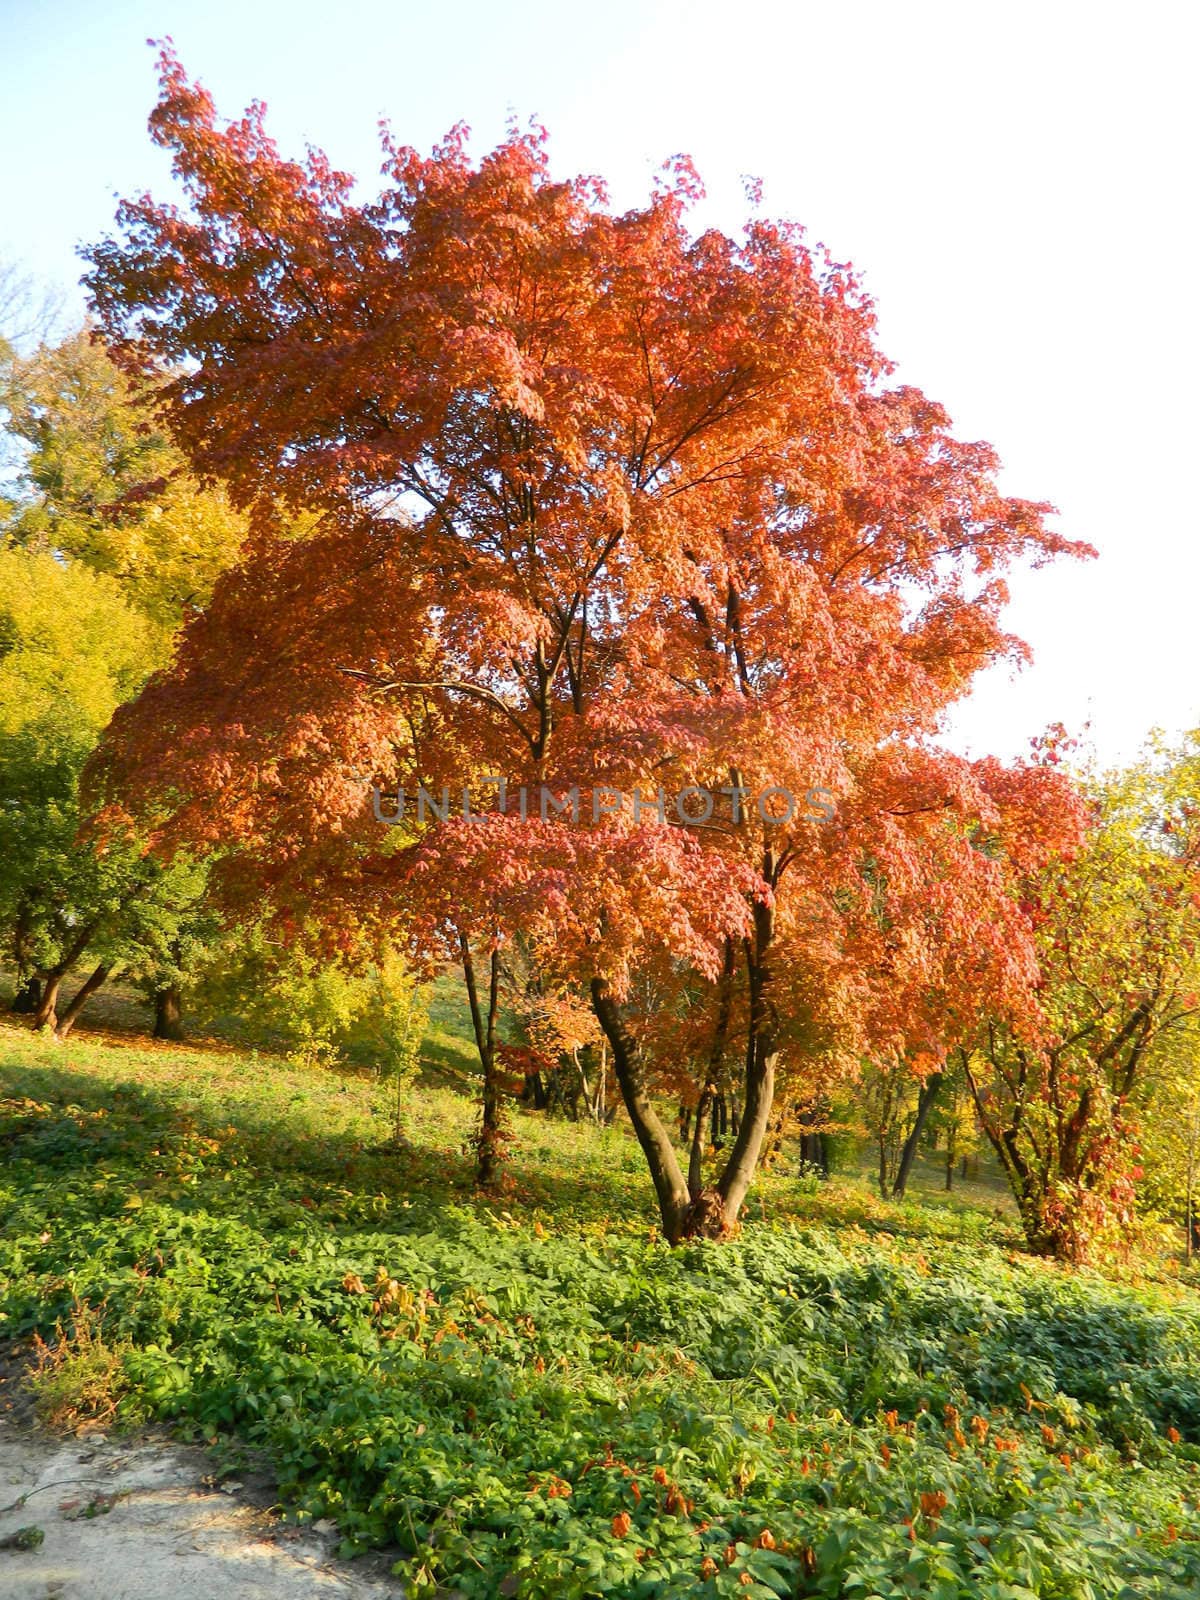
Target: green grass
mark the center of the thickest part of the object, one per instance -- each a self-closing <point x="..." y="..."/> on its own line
<point x="492" y="1387"/>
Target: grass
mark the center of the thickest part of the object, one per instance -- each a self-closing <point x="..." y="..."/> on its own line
<point x="533" y="1395"/>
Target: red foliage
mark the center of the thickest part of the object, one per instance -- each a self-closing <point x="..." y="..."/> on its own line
<point x="598" y="502"/>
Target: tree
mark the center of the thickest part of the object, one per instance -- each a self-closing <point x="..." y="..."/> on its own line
<point x="100" y="482"/>
<point x="1170" y="1137"/>
<point x="29" y="312"/>
<point x="606" y="507"/>
<point x="1118" y="937"/>
<point x="71" y="650"/>
<point x="100" y="491"/>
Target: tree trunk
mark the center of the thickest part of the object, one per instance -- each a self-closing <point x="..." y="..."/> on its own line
<point x="761" y="1057"/>
<point x="719" y="1118"/>
<point x="665" y="1173"/>
<point x="29" y="988"/>
<point x="925" y="1104"/>
<point x="69" y="1017"/>
<point x="490" y="1146"/>
<point x="814" y="1152"/>
<point x="814" y="1145"/>
<point x="534" y="1093"/>
<point x="1022" y="1179"/>
<point x="46" y="1014"/>
<point x="716" y="1058"/>
<point x="695" y="1177"/>
<point x="168" y="1012"/>
<point x="28" y="996"/>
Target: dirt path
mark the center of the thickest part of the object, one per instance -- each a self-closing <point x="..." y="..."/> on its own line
<point x="142" y="1520"/>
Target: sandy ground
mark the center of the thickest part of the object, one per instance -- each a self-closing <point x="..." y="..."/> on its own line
<point x="142" y="1519"/>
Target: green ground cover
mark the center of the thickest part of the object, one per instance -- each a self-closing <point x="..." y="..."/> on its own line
<point x="534" y="1396"/>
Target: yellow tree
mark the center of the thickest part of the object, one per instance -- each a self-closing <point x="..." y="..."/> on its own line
<point x="102" y="484"/>
<point x="1118" y="937"/>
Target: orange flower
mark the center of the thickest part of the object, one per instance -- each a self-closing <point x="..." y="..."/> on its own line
<point x="979" y="1427"/>
<point x="933" y="1503"/>
<point x="765" y="1540"/>
<point x="886" y="1455"/>
<point x="891" y="1418"/>
<point x="353" y="1284"/>
<point x="1173" y="1435"/>
<point x="770" y="1424"/>
<point x="637" y="1493"/>
<point x="660" y="1475"/>
<point x="621" y="1524"/>
<point x="708" y="1568"/>
<point x="730" y="1554"/>
<point x="1048" y="1435"/>
<point x="745" y="1579"/>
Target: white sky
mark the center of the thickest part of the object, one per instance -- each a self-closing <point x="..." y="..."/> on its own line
<point x="1017" y="184"/>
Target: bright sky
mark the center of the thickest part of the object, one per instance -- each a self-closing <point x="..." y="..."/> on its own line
<point x="1016" y="182"/>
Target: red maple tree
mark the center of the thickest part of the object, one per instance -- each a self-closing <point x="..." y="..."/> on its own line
<point x="589" y="502"/>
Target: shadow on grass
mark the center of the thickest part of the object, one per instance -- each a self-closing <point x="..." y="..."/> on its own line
<point x="68" y="1119"/>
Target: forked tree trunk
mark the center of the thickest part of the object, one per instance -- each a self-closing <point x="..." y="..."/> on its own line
<point x="46" y="1014"/>
<point x="761" y="1057"/>
<point x="168" y="1012"/>
<point x="707" y="1213"/>
<point x="665" y="1173"/>
<point x="82" y="995"/>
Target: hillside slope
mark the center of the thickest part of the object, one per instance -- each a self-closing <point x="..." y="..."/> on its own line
<point x="534" y="1396"/>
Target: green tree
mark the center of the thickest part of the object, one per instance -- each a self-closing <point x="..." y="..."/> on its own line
<point x="71" y="650"/>
<point x="102" y="484"/>
<point x="107" y="546"/>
